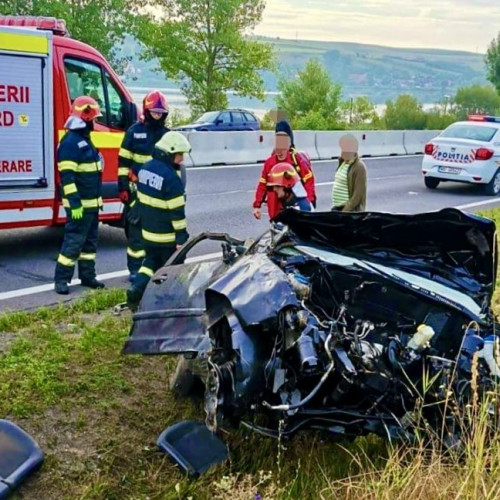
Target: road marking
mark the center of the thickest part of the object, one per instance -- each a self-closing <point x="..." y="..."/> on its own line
<point x="22" y="292"/>
<point x="248" y="165"/>
<point x="478" y="204"/>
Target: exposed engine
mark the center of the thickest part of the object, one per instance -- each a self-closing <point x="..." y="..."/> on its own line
<point x="353" y="356"/>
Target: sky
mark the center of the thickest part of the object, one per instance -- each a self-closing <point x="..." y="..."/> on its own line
<point x="442" y="24"/>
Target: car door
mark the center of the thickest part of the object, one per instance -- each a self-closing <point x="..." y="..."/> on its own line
<point x="238" y="121"/>
<point x="223" y="122"/>
<point x="251" y="122"/>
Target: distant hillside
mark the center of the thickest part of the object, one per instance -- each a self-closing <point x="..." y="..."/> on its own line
<point x="378" y="72"/>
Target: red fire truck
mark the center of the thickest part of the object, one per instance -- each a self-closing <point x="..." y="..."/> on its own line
<point x="42" y="70"/>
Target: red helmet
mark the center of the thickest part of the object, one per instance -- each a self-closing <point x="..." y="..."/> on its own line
<point x="155" y="101"/>
<point x="86" y="108"/>
<point x="283" y="174"/>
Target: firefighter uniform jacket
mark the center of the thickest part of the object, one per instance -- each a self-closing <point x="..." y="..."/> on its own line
<point x="161" y="202"/>
<point x="136" y="149"/>
<point x="80" y="169"/>
<point x="263" y="194"/>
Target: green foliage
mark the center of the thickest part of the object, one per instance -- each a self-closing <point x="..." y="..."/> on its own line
<point x="360" y="113"/>
<point x="267" y="123"/>
<point x="404" y="114"/>
<point x="476" y="99"/>
<point x="438" y="119"/>
<point x="201" y="45"/>
<point x="492" y="60"/>
<point x="99" y="23"/>
<point x="311" y="101"/>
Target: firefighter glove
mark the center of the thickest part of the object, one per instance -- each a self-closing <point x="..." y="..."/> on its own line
<point x="77" y="213"/>
<point x="124" y="196"/>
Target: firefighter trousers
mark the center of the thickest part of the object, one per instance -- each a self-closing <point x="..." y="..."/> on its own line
<point x="156" y="256"/>
<point x="135" y="245"/>
<point x="79" y="244"/>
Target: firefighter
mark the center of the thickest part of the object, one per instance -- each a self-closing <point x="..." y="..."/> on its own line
<point x="80" y="169"/>
<point x="161" y="198"/>
<point x="285" y="182"/>
<point x="284" y="151"/>
<point x="136" y="149"/>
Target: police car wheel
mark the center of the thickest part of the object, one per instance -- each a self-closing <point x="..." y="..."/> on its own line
<point x="431" y="182"/>
<point x="493" y="187"/>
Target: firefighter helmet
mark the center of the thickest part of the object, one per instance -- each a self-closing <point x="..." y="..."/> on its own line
<point x="283" y="174"/>
<point x="174" y="142"/>
<point x="86" y="108"/>
<point x="155" y="101"/>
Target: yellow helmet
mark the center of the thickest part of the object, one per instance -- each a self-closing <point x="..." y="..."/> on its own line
<point x="173" y="142"/>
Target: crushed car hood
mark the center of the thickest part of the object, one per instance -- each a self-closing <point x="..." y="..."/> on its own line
<point x="449" y="246"/>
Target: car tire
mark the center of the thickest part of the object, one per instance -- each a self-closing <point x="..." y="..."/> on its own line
<point x="493" y="187"/>
<point x="431" y="182"/>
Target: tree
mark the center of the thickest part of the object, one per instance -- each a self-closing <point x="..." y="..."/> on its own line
<point x="476" y="99"/>
<point x="202" y="46"/>
<point x="404" y="114"/>
<point x="360" y="113"/>
<point x="437" y="119"/>
<point x="99" y="23"/>
<point x="492" y="60"/>
<point x="311" y="101"/>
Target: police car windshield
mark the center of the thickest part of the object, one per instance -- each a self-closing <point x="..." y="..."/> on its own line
<point x="472" y="132"/>
<point x="207" y="117"/>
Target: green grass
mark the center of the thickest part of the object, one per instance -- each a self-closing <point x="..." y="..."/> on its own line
<point x="97" y="415"/>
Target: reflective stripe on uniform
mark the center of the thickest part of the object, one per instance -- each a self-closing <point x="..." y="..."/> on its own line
<point x="177" y="202"/>
<point x="136" y="254"/>
<point x="178" y="225"/>
<point x="123" y="171"/>
<point x="145" y="270"/>
<point x="171" y="204"/>
<point x="65" y="261"/>
<point x="158" y="237"/>
<point x="70" y="189"/>
<point x="262" y="180"/>
<point x="86" y="256"/>
<point x="141" y="158"/>
<point x="152" y="202"/>
<point x="125" y="153"/>
<point x="92" y="203"/>
<point x="307" y="176"/>
<point x="87" y="167"/>
<point x="67" y="165"/>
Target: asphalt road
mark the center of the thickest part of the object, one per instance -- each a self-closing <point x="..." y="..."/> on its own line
<point x="218" y="199"/>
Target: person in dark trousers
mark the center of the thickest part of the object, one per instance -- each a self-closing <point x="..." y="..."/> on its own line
<point x="284" y="151"/>
<point x="349" y="185"/>
<point x="80" y="170"/>
<point x="285" y="182"/>
<point x="136" y="149"/>
<point x="161" y="196"/>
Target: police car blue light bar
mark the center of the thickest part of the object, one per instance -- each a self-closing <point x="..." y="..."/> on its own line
<point x="483" y="118"/>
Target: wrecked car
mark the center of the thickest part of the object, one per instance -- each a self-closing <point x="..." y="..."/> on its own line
<point x="333" y="321"/>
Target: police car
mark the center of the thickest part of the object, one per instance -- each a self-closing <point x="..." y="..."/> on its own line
<point x="466" y="151"/>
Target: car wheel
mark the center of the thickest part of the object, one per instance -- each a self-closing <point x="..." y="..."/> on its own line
<point x="431" y="182"/>
<point x="493" y="187"/>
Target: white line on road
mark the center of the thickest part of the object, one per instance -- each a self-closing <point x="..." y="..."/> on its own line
<point x="118" y="274"/>
<point x="478" y="204"/>
<point x="102" y="277"/>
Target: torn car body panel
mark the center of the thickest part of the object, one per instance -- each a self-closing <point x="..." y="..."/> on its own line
<point x="335" y="321"/>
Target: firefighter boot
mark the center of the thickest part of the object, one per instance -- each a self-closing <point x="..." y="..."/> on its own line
<point x="61" y="287"/>
<point x="92" y="283"/>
